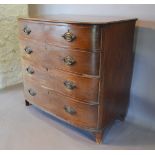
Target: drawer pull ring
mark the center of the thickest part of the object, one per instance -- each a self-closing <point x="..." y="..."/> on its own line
<point x="27" y="30"/>
<point x="69" y="85"/>
<point x="30" y="70"/>
<point x="69" y="110"/>
<point x="69" y="61"/>
<point x="32" y="92"/>
<point x="28" y="50"/>
<point x="69" y="36"/>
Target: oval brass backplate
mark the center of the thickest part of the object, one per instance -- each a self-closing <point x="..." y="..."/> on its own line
<point x="69" y="85"/>
<point x="69" y="36"/>
<point x="69" y="110"/>
<point x="32" y="92"/>
<point x="68" y="60"/>
<point x="28" y="50"/>
<point x="27" y="30"/>
<point x="30" y="70"/>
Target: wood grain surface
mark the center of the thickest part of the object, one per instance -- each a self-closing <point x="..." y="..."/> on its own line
<point x="78" y="68"/>
<point x="85" y="115"/>
<point x="86" y="89"/>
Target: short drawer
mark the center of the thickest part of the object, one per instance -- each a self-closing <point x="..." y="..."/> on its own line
<point x="72" y="85"/>
<point x="70" y="110"/>
<point x="73" y="60"/>
<point x="87" y="37"/>
<point x="31" y="30"/>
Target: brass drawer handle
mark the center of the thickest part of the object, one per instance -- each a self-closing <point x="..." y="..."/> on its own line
<point x="69" y="85"/>
<point x="28" y="50"/>
<point x="69" y="36"/>
<point x="69" y="110"/>
<point x="32" y="92"/>
<point x="30" y="70"/>
<point x="27" y="30"/>
<point x="68" y="60"/>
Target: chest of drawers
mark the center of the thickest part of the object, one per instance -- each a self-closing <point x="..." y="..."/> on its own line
<point x="78" y="69"/>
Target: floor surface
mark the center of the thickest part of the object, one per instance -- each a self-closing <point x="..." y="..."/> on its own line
<point x="24" y="127"/>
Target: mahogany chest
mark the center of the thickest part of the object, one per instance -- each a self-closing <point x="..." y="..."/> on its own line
<point x="78" y="69"/>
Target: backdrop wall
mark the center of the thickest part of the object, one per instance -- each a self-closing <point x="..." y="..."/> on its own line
<point x="10" y="55"/>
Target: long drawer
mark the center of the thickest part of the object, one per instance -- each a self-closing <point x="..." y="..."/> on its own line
<point x="74" y="36"/>
<point x="73" y="60"/>
<point x="75" y="86"/>
<point x="72" y="111"/>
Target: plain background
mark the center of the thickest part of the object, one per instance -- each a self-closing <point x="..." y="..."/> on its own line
<point x="142" y="100"/>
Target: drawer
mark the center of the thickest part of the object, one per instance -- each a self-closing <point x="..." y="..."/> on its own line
<point x="31" y="30"/>
<point x="72" y="85"/>
<point x="72" y="111"/>
<point x="73" y="36"/>
<point x="33" y="51"/>
<point x="73" y="60"/>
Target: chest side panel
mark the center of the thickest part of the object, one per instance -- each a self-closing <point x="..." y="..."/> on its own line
<point x="116" y="71"/>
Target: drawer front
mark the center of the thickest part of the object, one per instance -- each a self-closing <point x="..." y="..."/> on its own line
<point x="78" y="87"/>
<point x="86" y="37"/>
<point x="73" y="60"/>
<point x="33" y="51"/>
<point x="74" y="112"/>
<point x="31" y="30"/>
<point x="74" y="36"/>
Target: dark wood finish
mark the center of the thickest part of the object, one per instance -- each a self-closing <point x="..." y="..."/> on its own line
<point x="85" y="115"/>
<point x="38" y="50"/>
<point x="99" y="136"/>
<point x="87" y="37"/>
<point x="55" y="55"/>
<point x="116" y="72"/>
<point x="36" y="33"/>
<point x="118" y="63"/>
<point x="86" y="64"/>
<point x="86" y="88"/>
